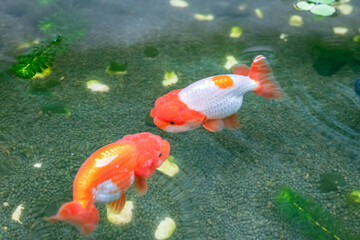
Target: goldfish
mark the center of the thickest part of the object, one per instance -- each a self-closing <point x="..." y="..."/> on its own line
<point x="106" y="176"/>
<point x="214" y="101"/>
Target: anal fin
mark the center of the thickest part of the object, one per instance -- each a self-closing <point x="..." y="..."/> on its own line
<point x="213" y="125"/>
<point x="118" y="205"/>
<point x="232" y="122"/>
<point x="140" y="185"/>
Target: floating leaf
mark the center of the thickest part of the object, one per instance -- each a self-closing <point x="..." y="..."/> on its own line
<point x="235" y="32"/>
<point x="323" y="10"/>
<point x="258" y="13"/>
<point x="354" y="197"/>
<point x="322" y="1"/>
<point x="170" y="78"/>
<point x="303" y="5"/>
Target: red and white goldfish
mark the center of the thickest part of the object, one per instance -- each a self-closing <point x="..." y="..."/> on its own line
<point x="213" y="102"/>
<point x="108" y="173"/>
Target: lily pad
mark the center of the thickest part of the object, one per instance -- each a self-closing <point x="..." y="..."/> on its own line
<point x="323" y="10"/>
<point x="322" y="1"/>
<point x="303" y="5"/>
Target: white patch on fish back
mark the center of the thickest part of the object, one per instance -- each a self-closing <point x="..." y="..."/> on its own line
<point x="104" y="161"/>
<point x="106" y="192"/>
<point x="214" y="102"/>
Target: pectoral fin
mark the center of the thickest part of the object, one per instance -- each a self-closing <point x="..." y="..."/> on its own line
<point x="232" y="122"/>
<point x="213" y="125"/>
<point x="118" y="205"/>
<point x="140" y="185"/>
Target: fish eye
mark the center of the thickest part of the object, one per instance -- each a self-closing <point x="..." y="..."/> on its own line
<point x="160" y="155"/>
<point x="172" y="123"/>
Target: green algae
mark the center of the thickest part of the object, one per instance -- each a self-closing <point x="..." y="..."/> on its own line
<point x="151" y="51"/>
<point x="331" y="182"/>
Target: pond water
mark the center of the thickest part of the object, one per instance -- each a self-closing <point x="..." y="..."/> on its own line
<point x="291" y="171"/>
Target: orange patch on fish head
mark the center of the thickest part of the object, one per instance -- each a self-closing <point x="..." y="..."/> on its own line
<point x="223" y="81"/>
<point x="152" y="151"/>
<point x="172" y="115"/>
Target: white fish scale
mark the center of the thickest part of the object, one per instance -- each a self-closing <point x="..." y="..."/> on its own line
<point x="216" y="103"/>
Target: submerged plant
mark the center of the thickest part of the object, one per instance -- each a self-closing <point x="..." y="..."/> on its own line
<point x="39" y="57"/>
<point x="311" y="217"/>
<point x="317" y="7"/>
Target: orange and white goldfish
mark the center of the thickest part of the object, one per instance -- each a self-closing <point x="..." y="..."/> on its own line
<point x="213" y="102"/>
<point x="108" y="173"/>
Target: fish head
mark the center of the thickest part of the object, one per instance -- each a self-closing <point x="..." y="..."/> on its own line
<point x="152" y="151"/>
<point x="172" y="115"/>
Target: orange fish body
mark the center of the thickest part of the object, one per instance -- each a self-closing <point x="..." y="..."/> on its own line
<point x="213" y="102"/>
<point x="108" y="173"/>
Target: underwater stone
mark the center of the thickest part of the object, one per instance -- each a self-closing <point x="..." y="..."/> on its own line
<point x="97" y="86"/>
<point x="151" y="51"/>
<point x="179" y="3"/>
<point x="340" y="30"/>
<point x="345" y="9"/>
<point x="165" y="229"/>
<point x="123" y="217"/>
<point x="331" y="182"/>
<point x="296" y="21"/>
<point x="203" y="17"/>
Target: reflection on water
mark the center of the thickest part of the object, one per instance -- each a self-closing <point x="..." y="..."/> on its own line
<point x="120" y="56"/>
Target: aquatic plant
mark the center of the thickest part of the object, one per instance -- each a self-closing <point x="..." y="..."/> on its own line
<point x="317" y="7"/>
<point x="70" y="24"/>
<point x="39" y="57"/>
<point x="313" y="220"/>
<point x="354" y="198"/>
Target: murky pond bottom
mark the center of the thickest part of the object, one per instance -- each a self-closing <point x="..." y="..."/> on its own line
<point x="291" y="172"/>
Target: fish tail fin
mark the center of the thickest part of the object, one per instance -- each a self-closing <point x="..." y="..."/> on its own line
<point x="261" y="72"/>
<point x="84" y="219"/>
